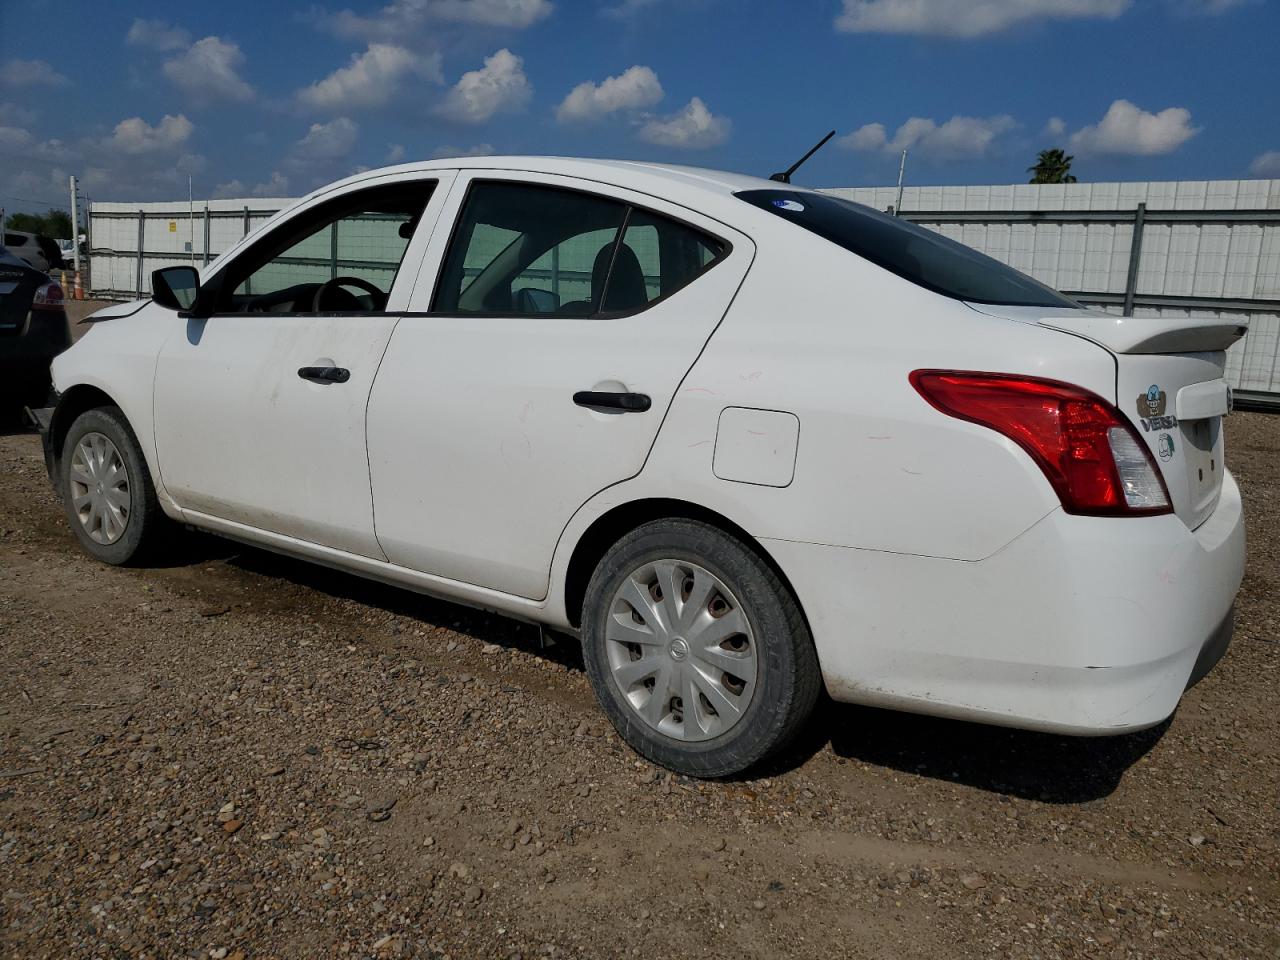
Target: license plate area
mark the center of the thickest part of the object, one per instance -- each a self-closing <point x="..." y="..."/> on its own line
<point x="1203" y="449"/>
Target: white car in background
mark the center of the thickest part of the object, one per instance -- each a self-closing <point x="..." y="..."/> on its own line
<point x="743" y="438"/>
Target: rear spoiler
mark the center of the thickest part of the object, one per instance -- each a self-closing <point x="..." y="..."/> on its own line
<point x="1149" y="334"/>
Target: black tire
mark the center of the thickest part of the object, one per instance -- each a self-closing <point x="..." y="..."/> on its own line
<point x="788" y="681"/>
<point x="145" y="525"/>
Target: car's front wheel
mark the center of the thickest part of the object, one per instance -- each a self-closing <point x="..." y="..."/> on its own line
<point x="696" y="650"/>
<point x="107" y="490"/>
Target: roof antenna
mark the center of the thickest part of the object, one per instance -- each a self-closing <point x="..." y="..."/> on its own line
<point x="785" y="177"/>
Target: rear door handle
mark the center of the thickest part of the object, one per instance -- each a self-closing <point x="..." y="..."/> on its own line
<point x="325" y="374"/>
<point x="629" y="402"/>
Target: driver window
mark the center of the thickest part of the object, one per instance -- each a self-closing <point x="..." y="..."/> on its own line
<point x="340" y="257"/>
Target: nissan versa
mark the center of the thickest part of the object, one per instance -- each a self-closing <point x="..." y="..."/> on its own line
<point x="745" y="439"/>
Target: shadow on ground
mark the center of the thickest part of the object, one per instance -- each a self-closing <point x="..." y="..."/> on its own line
<point x="431" y="612"/>
<point x="1036" y="766"/>
<point x="1019" y="763"/>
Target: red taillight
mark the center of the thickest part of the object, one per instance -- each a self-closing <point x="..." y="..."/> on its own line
<point x="1094" y="460"/>
<point x="48" y="297"/>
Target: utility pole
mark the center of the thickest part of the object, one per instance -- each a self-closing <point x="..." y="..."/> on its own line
<point x="902" y="168"/>
<point x="191" y="219"/>
<point x="75" y="225"/>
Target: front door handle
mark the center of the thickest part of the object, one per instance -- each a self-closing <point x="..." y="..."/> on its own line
<point x="325" y="374"/>
<point x="629" y="402"/>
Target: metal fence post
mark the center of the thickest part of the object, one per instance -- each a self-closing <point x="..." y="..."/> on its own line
<point x="206" y="234"/>
<point x="333" y="249"/>
<point x="1135" y="255"/>
<point x="142" y="219"/>
<point x="245" y="233"/>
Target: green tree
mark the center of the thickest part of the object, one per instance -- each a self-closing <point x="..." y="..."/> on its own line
<point x="1052" y="166"/>
<point x="55" y="224"/>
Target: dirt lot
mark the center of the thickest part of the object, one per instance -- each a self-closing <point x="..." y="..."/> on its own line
<point x="240" y="756"/>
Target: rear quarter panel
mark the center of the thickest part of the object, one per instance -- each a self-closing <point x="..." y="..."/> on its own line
<point x="820" y="333"/>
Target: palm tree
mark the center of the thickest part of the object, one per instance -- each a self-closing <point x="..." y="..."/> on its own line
<point x="1052" y="166"/>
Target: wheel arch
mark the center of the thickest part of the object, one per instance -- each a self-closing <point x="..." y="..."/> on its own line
<point x="73" y="402"/>
<point x="620" y="520"/>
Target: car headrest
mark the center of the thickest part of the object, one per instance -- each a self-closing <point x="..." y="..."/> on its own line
<point x="626" y="280"/>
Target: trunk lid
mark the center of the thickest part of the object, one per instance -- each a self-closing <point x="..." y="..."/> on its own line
<point x="1170" y="386"/>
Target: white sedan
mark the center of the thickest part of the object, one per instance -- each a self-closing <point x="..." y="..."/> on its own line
<point x="744" y="439"/>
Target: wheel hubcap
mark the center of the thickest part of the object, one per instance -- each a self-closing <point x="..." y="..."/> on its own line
<point x="681" y="650"/>
<point x="99" y="484"/>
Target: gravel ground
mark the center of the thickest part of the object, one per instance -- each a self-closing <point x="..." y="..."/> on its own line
<point x="240" y="756"/>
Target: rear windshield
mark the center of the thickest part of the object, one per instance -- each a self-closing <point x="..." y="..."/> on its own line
<point x="927" y="259"/>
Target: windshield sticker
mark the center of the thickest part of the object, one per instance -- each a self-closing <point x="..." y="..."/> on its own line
<point x="1164" y="447"/>
<point x="794" y="205"/>
<point x="1151" y="403"/>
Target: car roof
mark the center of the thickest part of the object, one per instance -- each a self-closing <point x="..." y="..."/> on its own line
<point x="688" y="186"/>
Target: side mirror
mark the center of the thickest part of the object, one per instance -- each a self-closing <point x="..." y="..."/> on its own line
<point x="175" y="287"/>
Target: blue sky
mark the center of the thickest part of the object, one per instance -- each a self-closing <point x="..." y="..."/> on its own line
<point x="275" y="99"/>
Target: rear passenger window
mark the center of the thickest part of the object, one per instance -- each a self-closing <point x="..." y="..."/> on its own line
<point x="657" y="257"/>
<point x="528" y="250"/>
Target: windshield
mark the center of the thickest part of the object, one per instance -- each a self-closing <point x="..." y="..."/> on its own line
<point x="927" y="259"/>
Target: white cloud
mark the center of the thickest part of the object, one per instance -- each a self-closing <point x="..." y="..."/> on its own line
<point x="626" y="9"/>
<point x="157" y="35"/>
<point x="11" y="113"/>
<point x="322" y="155"/>
<point x="500" y="85"/>
<point x="11" y="138"/>
<point x="395" y="153"/>
<point x="277" y="186"/>
<point x="1056" y="127"/>
<point x="371" y="79"/>
<point x="328" y="140"/>
<point x="634" y="88"/>
<point x="693" y="128"/>
<point x="957" y="138"/>
<point x="136" y="161"/>
<point x="1266" y="165"/>
<point x="1128" y="129"/>
<point x="403" y="17"/>
<point x="966" y="18"/>
<point x="136" y="136"/>
<point x="209" y="70"/>
<point x="30" y="73"/>
<point x="448" y="151"/>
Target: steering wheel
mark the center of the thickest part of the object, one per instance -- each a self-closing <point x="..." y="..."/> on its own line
<point x="330" y="287"/>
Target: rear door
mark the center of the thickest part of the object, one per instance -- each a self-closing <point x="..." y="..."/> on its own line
<point x="539" y="368"/>
<point x="260" y="408"/>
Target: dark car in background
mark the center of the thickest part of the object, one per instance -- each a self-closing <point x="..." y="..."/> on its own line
<point x="36" y="249"/>
<point x="33" y="330"/>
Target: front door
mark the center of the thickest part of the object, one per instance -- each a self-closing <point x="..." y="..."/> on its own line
<point x="260" y="407"/>
<point x="538" y="371"/>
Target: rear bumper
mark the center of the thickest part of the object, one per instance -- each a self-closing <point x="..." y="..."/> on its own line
<point x="1082" y="625"/>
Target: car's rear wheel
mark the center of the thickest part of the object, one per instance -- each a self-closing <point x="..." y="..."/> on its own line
<point x="697" y="651"/>
<point x="106" y="488"/>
